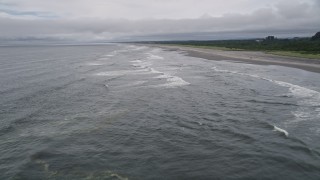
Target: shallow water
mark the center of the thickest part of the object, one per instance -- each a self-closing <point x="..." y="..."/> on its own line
<point x="135" y="112"/>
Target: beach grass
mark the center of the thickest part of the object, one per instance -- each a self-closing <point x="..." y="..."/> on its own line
<point x="210" y="47"/>
<point x="301" y="47"/>
<point x="279" y="53"/>
<point x="295" y="54"/>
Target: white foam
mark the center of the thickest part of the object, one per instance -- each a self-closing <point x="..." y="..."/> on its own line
<point x="300" y="116"/>
<point x="145" y="64"/>
<point x="136" y="61"/>
<point x="275" y="128"/>
<point x="121" y="51"/>
<point x="155" y="71"/>
<point x="139" y="48"/>
<point x="297" y="91"/>
<point x="141" y="64"/>
<point x="306" y="97"/>
<point x="136" y="83"/>
<point x="153" y="56"/>
<point x="172" y="81"/>
<point x="94" y="64"/>
<point x="163" y="76"/>
<point x="103" y="58"/>
<point x="136" y="65"/>
<point x="177" y="81"/>
<point x="122" y="72"/>
<point x="238" y="73"/>
<point x="300" y="91"/>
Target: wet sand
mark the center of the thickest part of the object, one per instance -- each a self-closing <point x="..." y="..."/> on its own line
<point x="252" y="57"/>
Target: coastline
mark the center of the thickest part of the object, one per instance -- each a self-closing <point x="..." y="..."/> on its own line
<point x="250" y="57"/>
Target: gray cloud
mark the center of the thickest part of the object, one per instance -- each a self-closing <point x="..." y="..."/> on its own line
<point x="294" y="19"/>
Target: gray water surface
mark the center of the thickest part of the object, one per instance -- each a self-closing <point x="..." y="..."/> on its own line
<point x="135" y="112"/>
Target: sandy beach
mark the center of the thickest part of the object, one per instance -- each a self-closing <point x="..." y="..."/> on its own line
<point x="252" y="57"/>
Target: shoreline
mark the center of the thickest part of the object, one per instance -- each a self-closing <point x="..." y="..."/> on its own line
<point x="250" y="57"/>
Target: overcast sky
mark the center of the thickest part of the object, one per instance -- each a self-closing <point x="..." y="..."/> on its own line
<point x="111" y="20"/>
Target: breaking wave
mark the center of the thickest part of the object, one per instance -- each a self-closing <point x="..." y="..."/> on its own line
<point x="281" y="130"/>
<point x="308" y="99"/>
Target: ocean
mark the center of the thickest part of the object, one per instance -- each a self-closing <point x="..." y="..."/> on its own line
<point x="119" y="111"/>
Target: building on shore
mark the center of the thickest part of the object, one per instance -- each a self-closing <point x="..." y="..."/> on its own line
<point x="270" y="38"/>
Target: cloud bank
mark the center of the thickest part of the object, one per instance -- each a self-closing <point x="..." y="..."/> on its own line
<point x="98" y="20"/>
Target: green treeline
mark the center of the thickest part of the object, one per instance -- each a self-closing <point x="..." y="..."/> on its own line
<point x="299" y="45"/>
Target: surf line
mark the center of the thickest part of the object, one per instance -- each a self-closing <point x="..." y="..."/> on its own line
<point x="275" y="128"/>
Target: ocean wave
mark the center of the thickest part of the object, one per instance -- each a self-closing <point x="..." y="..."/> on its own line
<point x="155" y="71"/>
<point x="136" y="61"/>
<point x="122" y="51"/>
<point x="301" y="115"/>
<point x="141" y="64"/>
<point x="153" y="56"/>
<point x="271" y="102"/>
<point x="275" y="128"/>
<point x="296" y="90"/>
<point x="172" y="81"/>
<point x="103" y="58"/>
<point x="308" y="99"/>
<point x="94" y="64"/>
<point x="123" y="72"/>
<point x="135" y="83"/>
<point x="138" y="48"/>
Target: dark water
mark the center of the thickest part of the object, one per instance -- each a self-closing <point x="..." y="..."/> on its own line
<point x="129" y="112"/>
